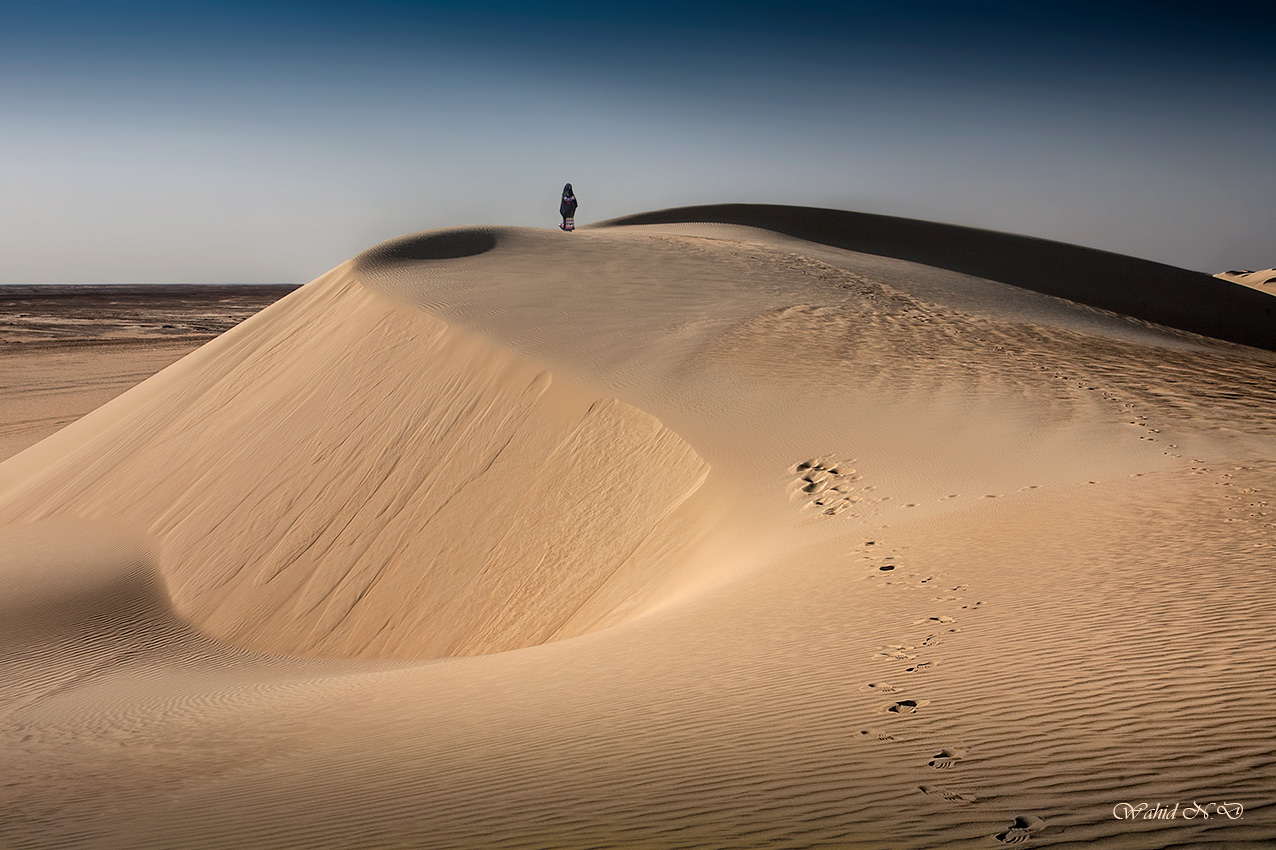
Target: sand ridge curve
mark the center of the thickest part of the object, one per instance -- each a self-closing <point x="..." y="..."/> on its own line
<point x="419" y="528"/>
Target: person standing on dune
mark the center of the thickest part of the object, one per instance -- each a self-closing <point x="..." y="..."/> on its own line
<point x="567" y="209"/>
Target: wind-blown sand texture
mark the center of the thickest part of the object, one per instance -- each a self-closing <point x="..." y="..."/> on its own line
<point x="677" y="535"/>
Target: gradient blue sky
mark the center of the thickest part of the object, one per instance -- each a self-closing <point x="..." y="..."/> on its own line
<point x="269" y="141"/>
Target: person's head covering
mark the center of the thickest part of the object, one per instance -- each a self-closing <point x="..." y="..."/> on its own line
<point x="567" y="190"/>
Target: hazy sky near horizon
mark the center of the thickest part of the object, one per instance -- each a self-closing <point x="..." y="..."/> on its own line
<point x="225" y="141"/>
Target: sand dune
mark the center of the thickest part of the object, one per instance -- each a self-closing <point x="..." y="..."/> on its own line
<point x="444" y="506"/>
<point x="709" y="531"/>
<point x="1139" y="288"/>
<point x="1263" y="280"/>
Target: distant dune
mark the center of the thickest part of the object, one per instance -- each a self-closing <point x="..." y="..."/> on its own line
<point x="1263" y="281"/>
<point x="721" y="527"/>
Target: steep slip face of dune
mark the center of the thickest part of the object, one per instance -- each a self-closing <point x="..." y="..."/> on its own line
<point x="347" y="476"/>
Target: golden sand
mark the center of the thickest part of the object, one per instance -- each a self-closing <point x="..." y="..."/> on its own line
<point x="685" y="534"/>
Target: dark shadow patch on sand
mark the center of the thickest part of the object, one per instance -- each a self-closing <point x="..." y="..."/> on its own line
<point x="76" y="576"/>
<point x="1154" y="292"/>
<point x="447" y="244"/>
<point x="1022" y="830"/>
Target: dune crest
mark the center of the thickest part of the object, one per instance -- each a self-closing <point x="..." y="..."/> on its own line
<point x="455" y="499"/>
<point x="1264" y="280"/>
<point x="1154" y="292"/>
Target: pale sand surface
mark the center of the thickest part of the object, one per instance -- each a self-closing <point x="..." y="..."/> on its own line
<point x="675" y="535"/>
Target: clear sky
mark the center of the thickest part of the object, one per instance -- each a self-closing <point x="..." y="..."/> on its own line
<point x="225" y="141"/>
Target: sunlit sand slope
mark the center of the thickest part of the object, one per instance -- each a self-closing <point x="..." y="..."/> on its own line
<point x="348" y="476"/>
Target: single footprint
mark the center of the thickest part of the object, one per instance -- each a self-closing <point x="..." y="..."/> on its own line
<point x="972" y="606"/>
<point x="1021" y="830"/>
<point x="950" y="796"/>
<point x="893" y="655"/>
<point x="946" y="758"/>
<point x="896" y="652"/>
<point x="878" y="734"/>
<point x="943" y="621"/>
<point x="880" y="687"/>
<point x="907" y="706"/>
<point x="921" y="667"/>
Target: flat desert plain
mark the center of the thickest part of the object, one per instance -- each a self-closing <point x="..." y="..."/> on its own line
<point x="722" y="527"/>
<point x="66" y="350"/>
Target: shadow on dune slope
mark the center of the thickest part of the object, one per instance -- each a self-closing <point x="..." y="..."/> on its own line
<point x="448" y="244"/>
<point x="1171" y="296"/>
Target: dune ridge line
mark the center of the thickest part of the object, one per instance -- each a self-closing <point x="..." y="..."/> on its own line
<point x="1155" y="292"/>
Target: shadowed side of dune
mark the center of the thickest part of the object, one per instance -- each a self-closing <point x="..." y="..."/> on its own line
<point x="446" y="244"/>
<point x="75" y="597"/>
<point x="1175" y="297"/>
<point x="343" y="475"/>
<point x="66" y="576"/>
